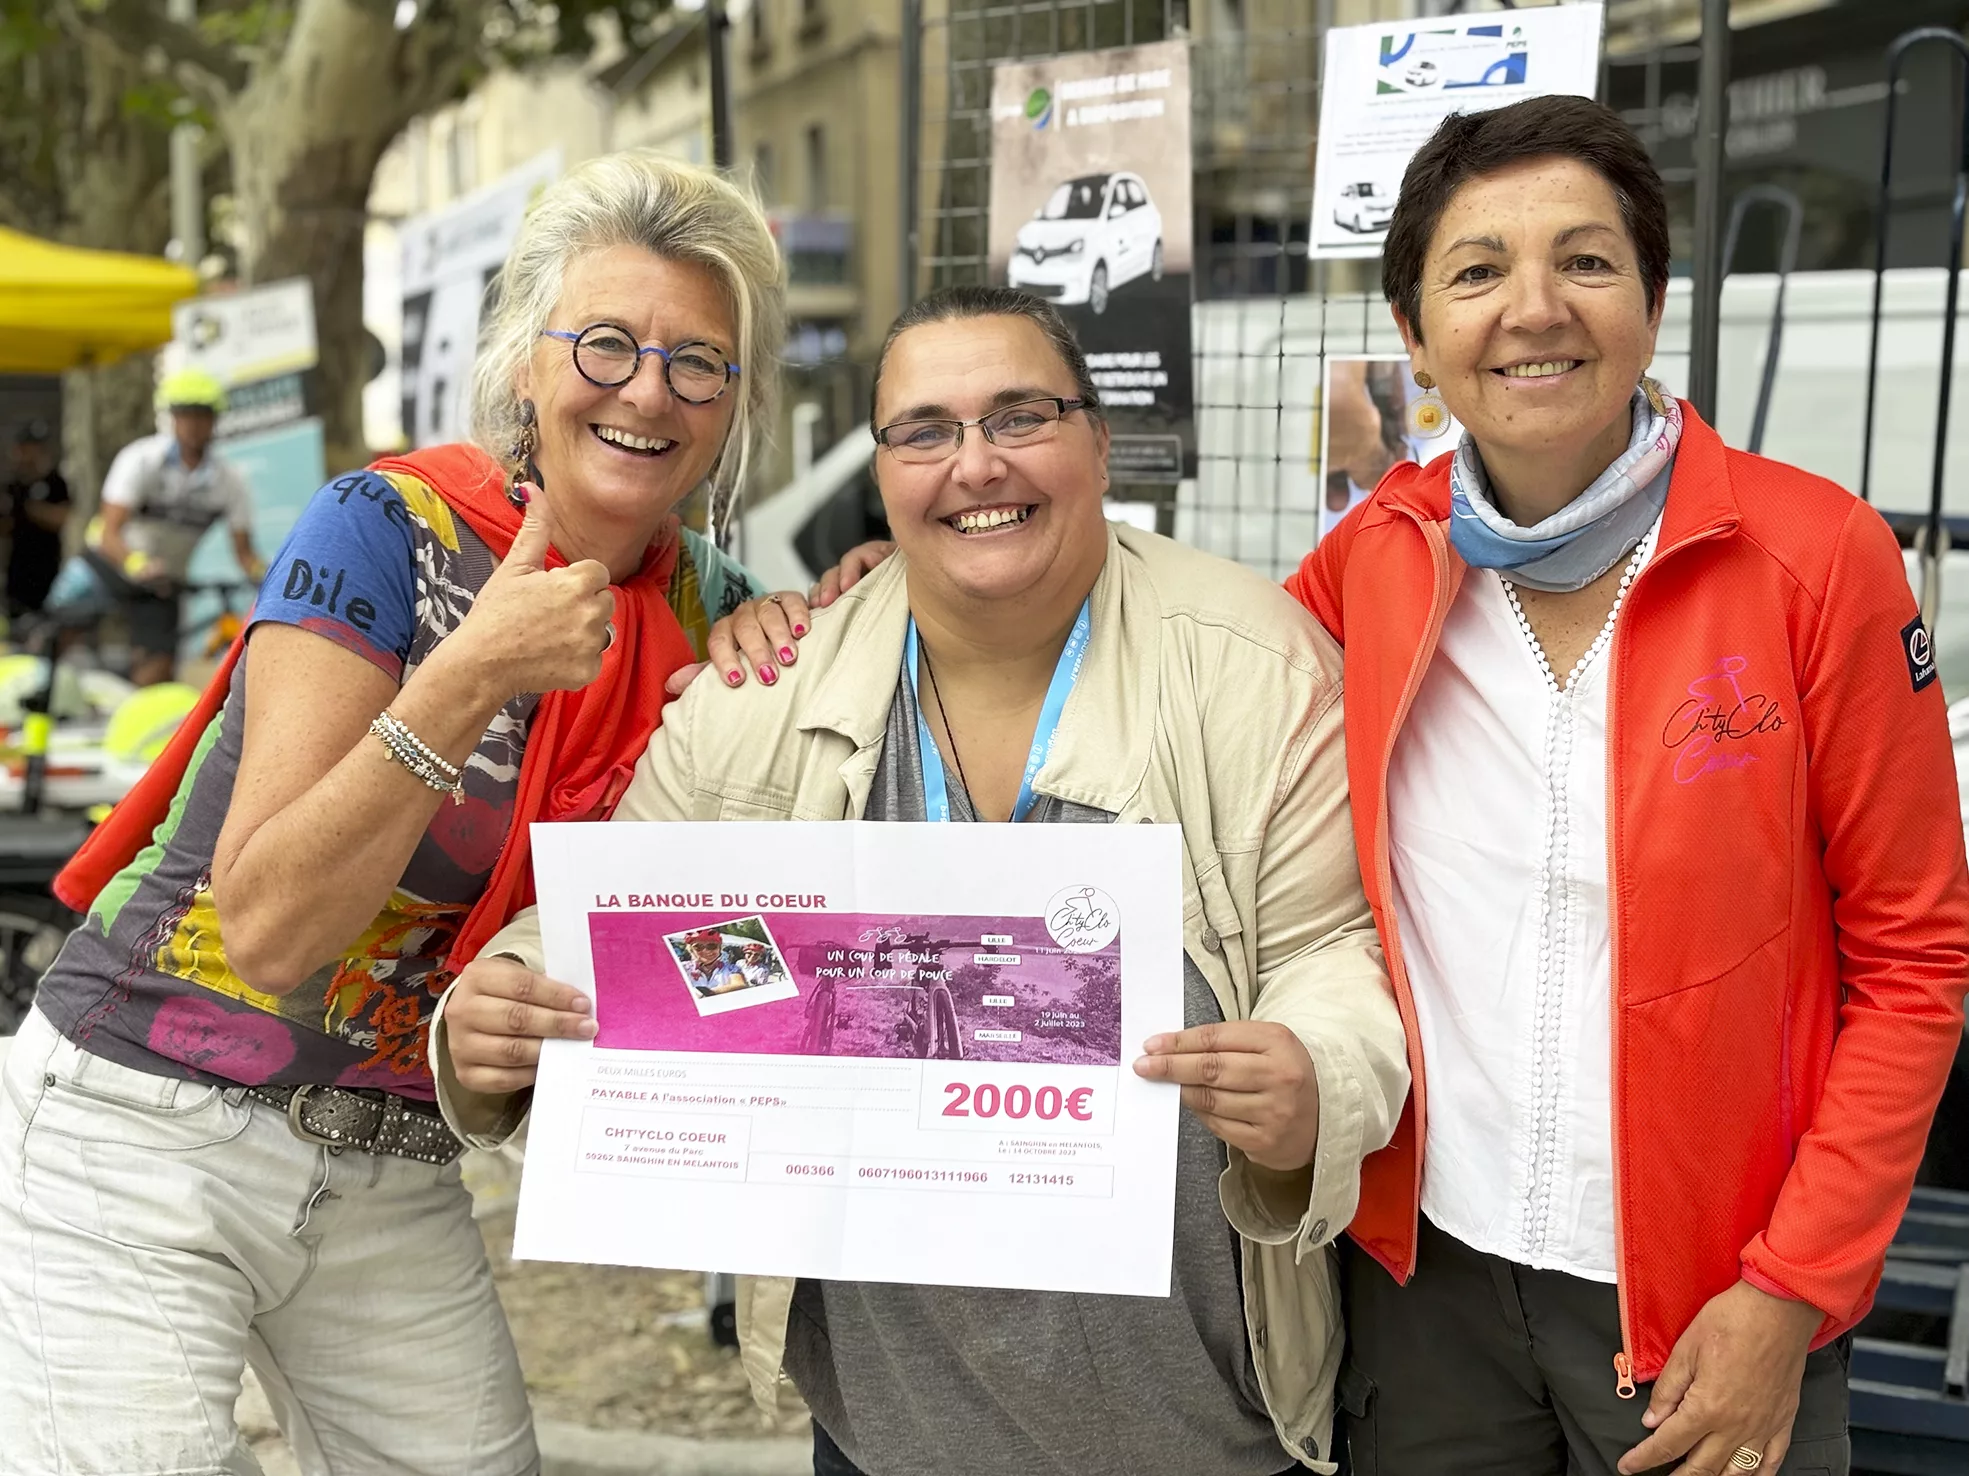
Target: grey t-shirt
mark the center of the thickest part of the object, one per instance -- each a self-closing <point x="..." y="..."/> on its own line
<point x="928" y="1380"/>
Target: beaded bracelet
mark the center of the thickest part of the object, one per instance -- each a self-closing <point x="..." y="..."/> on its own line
<point x="404" y="735"/>
<point x="404" y="747"/>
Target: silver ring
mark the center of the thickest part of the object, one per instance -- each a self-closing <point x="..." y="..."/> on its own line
<point x="608" y="635"/>
<point x="1746" y="1459"/>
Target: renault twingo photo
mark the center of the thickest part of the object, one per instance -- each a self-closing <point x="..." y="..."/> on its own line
<point x="1093" y="235"/>
<point x="1364" y="208"/>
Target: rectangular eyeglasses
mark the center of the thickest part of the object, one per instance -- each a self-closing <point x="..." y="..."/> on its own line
<point x="1026" y="423"/>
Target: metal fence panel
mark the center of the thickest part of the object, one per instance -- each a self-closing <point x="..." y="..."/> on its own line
<point x="1267" y="319"/>
<point x="1259" y="337"/>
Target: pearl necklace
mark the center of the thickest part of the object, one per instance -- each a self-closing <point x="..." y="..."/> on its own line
<point x="1634" y="562"/>
<point x="1555" y="904"/>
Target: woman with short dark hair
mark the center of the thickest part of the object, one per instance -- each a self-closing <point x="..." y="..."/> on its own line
<point x="1655" y="807"/>
<point x="1651" y="780"/>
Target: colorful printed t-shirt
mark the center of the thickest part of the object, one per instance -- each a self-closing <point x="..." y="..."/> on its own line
<point x="379" y="565"/>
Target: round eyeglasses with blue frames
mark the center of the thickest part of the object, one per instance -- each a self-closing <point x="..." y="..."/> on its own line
<point x="608" y="358"/>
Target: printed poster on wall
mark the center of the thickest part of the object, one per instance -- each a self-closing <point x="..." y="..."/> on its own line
<point x="259" y="342"/>
<point x="1090" y="209"/>
<point x="450" y="258"/>
<point x="1368" y="423"/>
<point x="1388" y="85"/>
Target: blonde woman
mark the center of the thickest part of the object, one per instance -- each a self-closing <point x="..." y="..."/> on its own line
<point x="215" y="1152"/>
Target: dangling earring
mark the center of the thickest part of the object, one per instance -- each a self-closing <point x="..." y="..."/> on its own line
<point x="720" y="516"/>
<point x="1428" y="416"/>
<point x="523" y="450"/>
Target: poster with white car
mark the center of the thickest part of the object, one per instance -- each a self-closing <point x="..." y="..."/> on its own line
<point x="450" y="258"/>
<point x="1090" y="209"/>
<point x="1388" y="85"/>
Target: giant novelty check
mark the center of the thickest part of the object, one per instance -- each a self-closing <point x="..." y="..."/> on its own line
<point x="880" y="1052"/>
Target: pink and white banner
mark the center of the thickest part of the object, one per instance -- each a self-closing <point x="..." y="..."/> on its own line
<point x="866" y="1051"/>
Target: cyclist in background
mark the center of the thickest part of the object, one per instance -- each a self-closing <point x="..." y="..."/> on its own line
<point x="34" y="502"/>
<point x="161" y="495"/>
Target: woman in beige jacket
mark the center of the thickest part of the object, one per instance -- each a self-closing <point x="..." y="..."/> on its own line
<point x="1204" y="696"/>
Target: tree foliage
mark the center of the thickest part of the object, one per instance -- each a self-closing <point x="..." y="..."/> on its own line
<point x="55" y="107"/>
<point x="301" y="98"/>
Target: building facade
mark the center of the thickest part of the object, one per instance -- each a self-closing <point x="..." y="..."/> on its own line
<point x="814" y="103"/>
<point x="816" y="111"/>
<point x="1807" y="117"/>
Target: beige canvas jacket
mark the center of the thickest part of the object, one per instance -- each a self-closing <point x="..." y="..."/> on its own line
<point x="1207" y="698"/>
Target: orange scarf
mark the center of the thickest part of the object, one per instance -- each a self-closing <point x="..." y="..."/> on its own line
<point x="581" y="747"/>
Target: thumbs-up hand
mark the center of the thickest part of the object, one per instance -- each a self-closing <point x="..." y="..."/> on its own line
<point x="536" y="536"/>
<point x="535" y="629"/>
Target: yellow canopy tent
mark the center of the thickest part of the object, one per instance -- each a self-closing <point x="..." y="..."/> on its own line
<point x="63" y="306"/>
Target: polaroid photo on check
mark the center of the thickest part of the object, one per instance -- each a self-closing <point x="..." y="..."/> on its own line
<point x="731" y="965"/>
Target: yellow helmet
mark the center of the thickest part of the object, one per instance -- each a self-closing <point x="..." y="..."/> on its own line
<point x="191" y="389"/>
<point x="146" y="720"/>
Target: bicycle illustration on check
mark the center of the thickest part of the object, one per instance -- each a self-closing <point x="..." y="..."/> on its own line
<point x="927" y="1026"/>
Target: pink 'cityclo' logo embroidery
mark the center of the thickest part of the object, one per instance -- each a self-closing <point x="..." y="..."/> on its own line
<point x="1710" y="732"/>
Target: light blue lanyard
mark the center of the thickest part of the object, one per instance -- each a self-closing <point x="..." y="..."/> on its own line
<point x="936" y="791"/>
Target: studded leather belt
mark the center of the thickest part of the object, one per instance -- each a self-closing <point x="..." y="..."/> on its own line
<point x="366" y="1120"/>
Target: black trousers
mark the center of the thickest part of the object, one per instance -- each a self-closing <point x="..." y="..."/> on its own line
<point x="1479" y="1367"/>
<point x="828" y="1460"/>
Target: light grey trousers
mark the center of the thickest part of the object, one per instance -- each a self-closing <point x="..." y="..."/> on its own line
<point x="157" y="1235"/>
